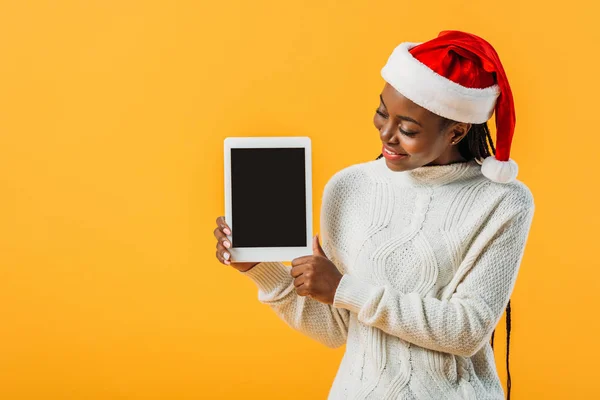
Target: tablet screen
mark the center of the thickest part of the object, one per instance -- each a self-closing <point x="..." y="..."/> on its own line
<point x="268" y="197"/>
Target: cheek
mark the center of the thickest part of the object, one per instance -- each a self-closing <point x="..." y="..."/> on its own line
<point x="377" y="122"/>
<point x="415" y="145"/>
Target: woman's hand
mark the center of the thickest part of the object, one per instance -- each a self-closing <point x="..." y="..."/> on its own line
<point x="223" y="243"/>
<point x="316" y="276"/>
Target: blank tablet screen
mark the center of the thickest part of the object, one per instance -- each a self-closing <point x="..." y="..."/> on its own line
<point x="268" y="197"/>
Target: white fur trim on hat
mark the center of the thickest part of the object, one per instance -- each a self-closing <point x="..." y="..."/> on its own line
<point x="436" y="93"/>
<point x="499" y="171"/>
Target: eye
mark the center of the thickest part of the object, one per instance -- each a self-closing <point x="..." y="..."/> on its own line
<point x="407" y="133"/>
<point x="410" y="134"/>
<point x="380" y="113"/>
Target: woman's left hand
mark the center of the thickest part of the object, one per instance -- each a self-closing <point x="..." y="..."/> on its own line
<point x="316" y="276"/>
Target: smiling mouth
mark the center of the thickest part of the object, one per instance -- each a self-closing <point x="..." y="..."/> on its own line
<point x="385" y="149"/>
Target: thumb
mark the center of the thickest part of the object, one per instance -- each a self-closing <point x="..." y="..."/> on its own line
<point x="317" y="249"/>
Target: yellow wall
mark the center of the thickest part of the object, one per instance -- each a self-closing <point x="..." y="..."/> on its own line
<point x="112" y="120"/>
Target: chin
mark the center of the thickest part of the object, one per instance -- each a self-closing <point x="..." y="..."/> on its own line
<point x="396" y="167"/>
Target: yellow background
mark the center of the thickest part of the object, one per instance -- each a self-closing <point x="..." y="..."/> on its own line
<point x="112" y="120"/>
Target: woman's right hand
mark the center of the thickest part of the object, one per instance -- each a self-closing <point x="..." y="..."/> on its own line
<point x="223" y="244"/>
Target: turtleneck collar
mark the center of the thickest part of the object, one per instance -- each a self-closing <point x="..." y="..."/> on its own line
<point x="430" y="175"/>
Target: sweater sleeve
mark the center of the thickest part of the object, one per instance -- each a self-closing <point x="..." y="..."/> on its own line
<point x="322" y="322"/>
<point x="461" y="323"/>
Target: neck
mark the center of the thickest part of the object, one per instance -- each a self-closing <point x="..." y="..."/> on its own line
<point x="429" y="174"/>
<point x="452" y="157"/>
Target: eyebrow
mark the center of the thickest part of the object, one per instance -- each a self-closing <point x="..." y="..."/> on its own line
<point x="401" y="116"/>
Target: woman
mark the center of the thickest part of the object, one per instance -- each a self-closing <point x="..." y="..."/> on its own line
<point x="422" y="246"/>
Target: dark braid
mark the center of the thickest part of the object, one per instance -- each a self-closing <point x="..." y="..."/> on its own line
<point x="475" y="146"/>
<point x="508" y="383"/>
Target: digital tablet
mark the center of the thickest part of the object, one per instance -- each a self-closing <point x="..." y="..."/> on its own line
<point x="268" y="197"/>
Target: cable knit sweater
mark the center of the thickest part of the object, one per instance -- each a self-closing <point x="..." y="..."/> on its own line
<point x="430" y="258"/>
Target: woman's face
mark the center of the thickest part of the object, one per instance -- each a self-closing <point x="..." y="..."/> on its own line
<point x="415" y="132"/>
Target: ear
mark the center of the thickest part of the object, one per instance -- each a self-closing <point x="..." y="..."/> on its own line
<point x="458" y="131"/>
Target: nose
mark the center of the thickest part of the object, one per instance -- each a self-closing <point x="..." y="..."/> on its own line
<point x="387" y="130"/>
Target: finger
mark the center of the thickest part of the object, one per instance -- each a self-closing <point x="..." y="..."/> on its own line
<point x="221" y="237"/>
<point x="317" y="249"/>
<point x="218" y="232"/>
<point x="299" y="281"/>
<point x="301" y="260"/>
<point x="223" y="241"/>
<point x="302" y="290"/>
<point x="223" y="251"/>
<point x="223" y="225"/>
<point x="222" y="257"/>
<point x="297" y="271"/>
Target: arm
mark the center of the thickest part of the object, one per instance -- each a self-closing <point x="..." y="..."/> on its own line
<point x="322" y="322"/>
<point x="462" y="323"/>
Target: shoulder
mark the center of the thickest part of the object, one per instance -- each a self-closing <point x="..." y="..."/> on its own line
<point x="516" y="194"/>
<point x="352" y="177"/>
<point x="507" y="200"/>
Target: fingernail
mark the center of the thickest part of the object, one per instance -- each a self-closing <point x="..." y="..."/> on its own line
<point x="227" y="231"/>
<point x="226" y="243"/>
<point x="226" y="256"/>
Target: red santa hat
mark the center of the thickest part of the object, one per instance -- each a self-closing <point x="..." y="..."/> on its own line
<point x="459" y="76"/>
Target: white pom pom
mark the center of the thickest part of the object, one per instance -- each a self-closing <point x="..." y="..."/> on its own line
<point x="499" y="171"/>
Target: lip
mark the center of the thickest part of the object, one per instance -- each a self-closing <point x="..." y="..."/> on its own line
<point x="390" y="156"/>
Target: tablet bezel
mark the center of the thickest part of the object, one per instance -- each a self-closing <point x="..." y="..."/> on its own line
<point x="259" y="254"/>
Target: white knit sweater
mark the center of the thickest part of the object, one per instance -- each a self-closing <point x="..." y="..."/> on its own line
<point x="430" y="258"/>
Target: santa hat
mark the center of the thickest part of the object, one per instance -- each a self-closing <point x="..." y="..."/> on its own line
<point x="459" y="76"/>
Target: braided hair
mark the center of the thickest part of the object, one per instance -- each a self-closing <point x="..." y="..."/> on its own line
<point x="475" y="146"/>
